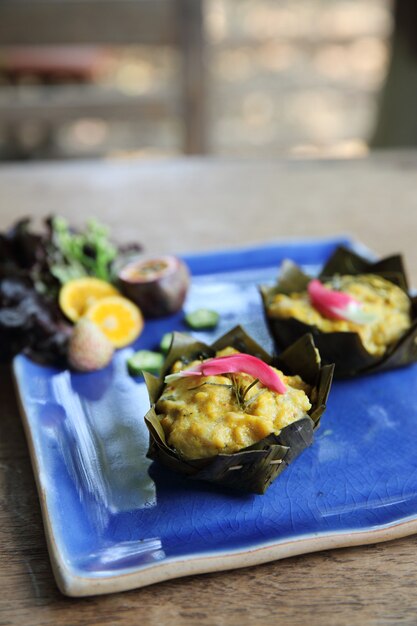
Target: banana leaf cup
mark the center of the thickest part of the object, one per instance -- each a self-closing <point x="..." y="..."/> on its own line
<point x="253" y="468"/>
<point x="345" y="349"/>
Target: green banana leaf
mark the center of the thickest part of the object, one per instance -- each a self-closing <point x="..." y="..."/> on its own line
<point x="344" y="349"/>
<point x="253" y="468"/>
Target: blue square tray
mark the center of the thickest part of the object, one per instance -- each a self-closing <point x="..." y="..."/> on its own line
<point x="115" y="521"/>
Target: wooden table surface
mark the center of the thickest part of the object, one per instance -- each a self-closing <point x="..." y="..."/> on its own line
<point x="189" y="205"/>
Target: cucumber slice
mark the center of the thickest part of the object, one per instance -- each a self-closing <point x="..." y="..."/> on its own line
<point x="202" y="319"/>
<point x="145" y="361"/>
<point x="165" y="344"/>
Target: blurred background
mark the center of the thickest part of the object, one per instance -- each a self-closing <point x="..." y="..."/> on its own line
<point x="247" y="78"/>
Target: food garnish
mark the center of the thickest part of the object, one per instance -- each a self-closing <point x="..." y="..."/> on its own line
<point x="118" y="318"/>
<point x="78" y="253"/>
<point x="157" y="285"/>
<point x="30" y="323"/>
<point x="166" y="341"/>
<point x="202" y="319"/>
<point x="33" y="266"/>
<point x="145" y="361"/>
<point x="235" y="363"/>
<point x="337" y="305"/>
<point x="89" y="349"/>
<point x="78" y="294"/>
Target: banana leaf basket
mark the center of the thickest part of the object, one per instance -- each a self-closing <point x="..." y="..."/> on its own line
<point x="254" y="468"/>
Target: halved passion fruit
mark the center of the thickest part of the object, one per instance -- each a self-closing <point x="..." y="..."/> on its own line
<point x="157" y="285"/>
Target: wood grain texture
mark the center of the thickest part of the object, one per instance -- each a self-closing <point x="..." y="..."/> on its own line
<point x="191" y="205"/>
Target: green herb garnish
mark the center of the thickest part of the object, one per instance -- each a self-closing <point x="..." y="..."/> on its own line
<point x="166" y="341"/>
<point x="77" y="254"/>
<point x="202" y="319"/>
<point x="145" y="361"/>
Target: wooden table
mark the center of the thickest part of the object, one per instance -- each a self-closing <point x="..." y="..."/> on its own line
<point x="192" y="205"/>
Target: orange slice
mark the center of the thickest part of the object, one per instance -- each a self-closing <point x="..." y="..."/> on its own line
<point x="76" y="296"/>
<point x="119" y="319"/>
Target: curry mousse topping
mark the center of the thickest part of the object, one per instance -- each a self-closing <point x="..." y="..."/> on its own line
<point x="388" y="307"/>
<point x="207" y="415"/>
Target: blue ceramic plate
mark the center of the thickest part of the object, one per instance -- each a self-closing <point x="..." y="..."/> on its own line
<point x="115" y="521"/>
